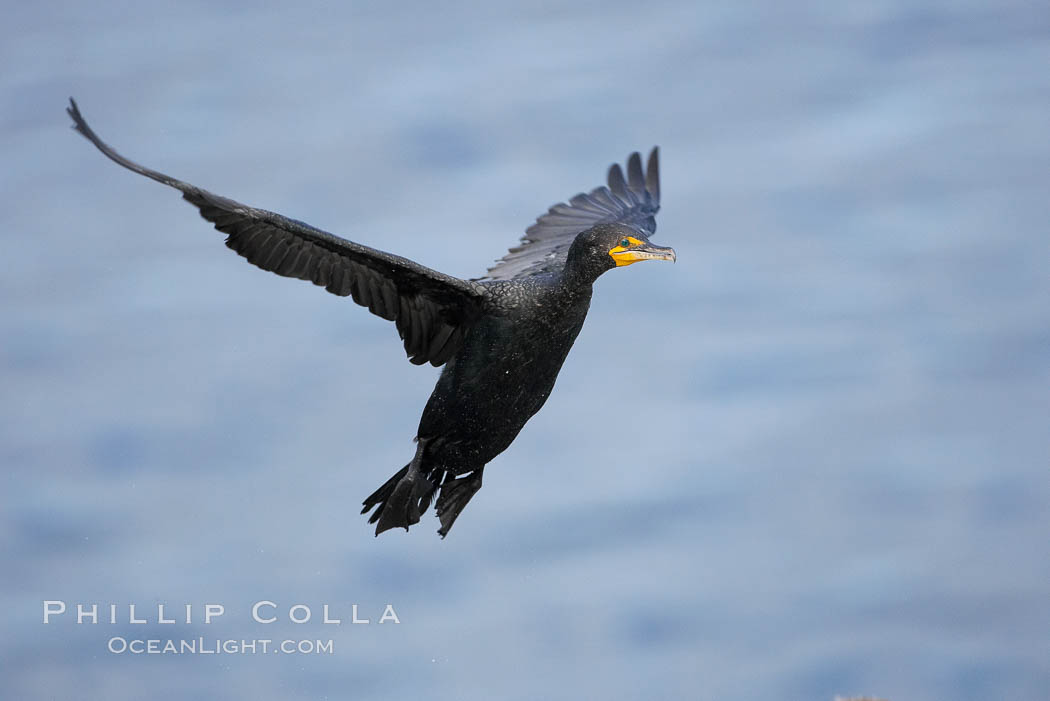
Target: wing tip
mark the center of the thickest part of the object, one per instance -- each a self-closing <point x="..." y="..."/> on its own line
<point x="79" y="124"/>
<point x="616" y="180"/>
<point x="652" y="174"/>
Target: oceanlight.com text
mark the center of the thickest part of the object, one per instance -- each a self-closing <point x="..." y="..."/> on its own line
<point x="214" y="646"/>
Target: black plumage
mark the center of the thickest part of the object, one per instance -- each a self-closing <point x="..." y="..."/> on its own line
<point x="502" y="338"/>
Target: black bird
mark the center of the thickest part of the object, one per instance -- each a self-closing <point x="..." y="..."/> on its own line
<point x="502" y="337"/>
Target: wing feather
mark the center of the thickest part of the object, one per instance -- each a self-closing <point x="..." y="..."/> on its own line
<point x="431" y="310"/>
<point x="633" y="201"/>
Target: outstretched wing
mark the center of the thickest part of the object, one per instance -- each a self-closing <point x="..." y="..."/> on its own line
<point x="433" y="311"/>
<point x="545" y="246"/>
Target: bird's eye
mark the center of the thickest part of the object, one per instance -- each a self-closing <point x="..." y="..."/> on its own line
<point x="625" y="243"/>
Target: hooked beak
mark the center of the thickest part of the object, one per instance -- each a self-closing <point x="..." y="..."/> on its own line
<point x="647" y="251"/>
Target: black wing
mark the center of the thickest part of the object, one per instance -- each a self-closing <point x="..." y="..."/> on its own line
<point x="544" y="247"/>
<point x="433" y="311"/>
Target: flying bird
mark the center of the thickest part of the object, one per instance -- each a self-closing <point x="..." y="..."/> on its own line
<point x="502" y="338"/>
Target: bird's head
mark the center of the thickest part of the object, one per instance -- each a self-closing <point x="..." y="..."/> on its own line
<point x="607" y="246"/>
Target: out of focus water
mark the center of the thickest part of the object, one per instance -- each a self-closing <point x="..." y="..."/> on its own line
<point x="809" y="459"/>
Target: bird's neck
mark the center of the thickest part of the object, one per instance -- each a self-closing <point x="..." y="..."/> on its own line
<point x="576" y="281"/>
<point x="575" y="289"/>
<point x="580" y="272"/>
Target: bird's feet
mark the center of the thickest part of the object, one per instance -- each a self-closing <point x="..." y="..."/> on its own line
<point x="455" y="493"/>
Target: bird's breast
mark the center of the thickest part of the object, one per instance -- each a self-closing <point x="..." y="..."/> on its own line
<point x="503" y="373"/>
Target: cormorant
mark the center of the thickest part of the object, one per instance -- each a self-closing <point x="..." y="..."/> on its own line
<point x="502" y="337"/>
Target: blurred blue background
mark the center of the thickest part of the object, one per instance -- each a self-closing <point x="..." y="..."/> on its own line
<point x="809" y="459"/>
